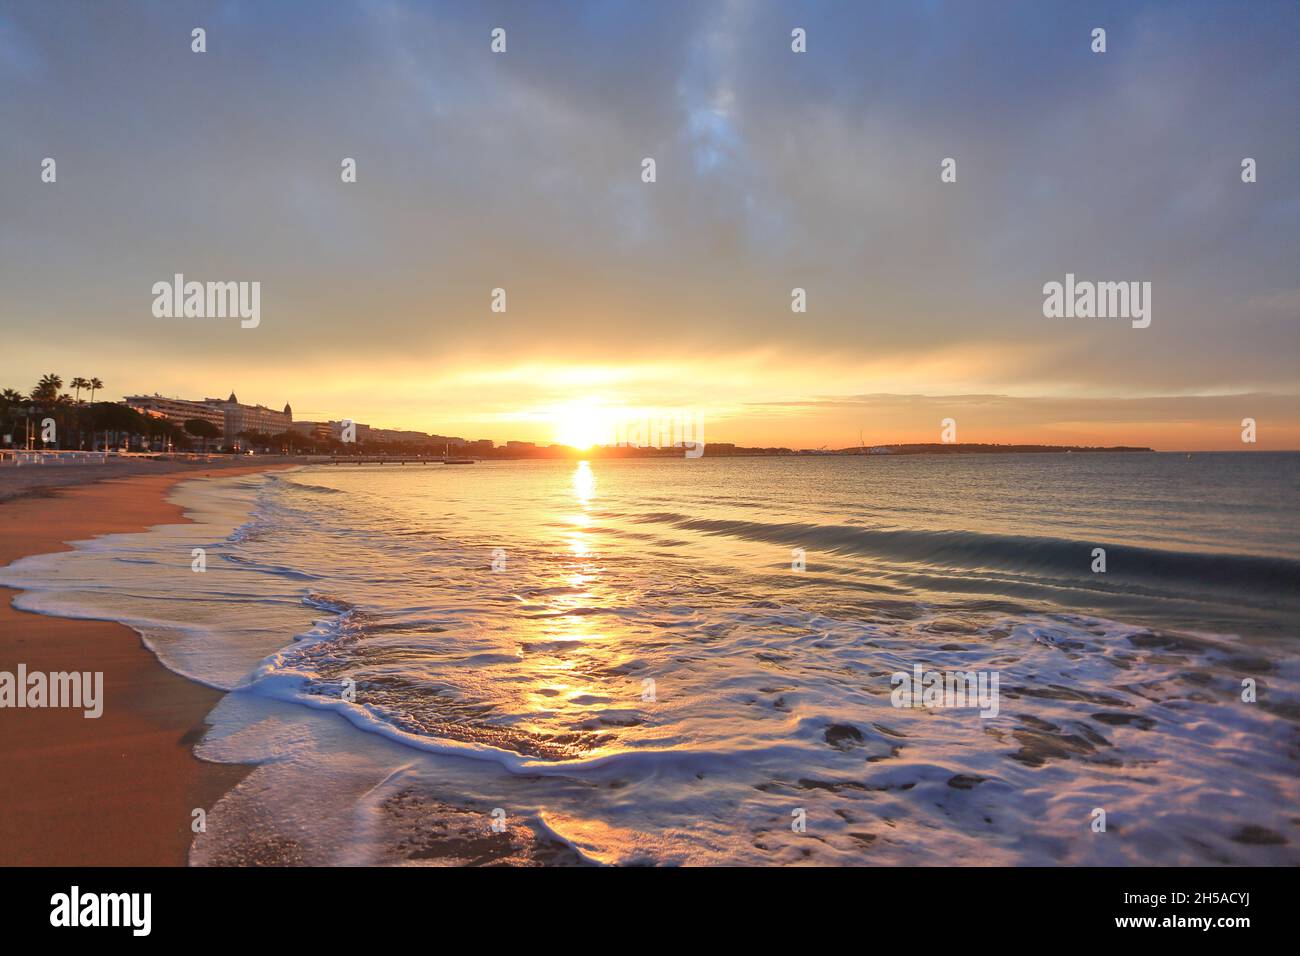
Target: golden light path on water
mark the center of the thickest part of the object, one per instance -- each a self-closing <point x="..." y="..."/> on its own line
<point x="563" y="678"/>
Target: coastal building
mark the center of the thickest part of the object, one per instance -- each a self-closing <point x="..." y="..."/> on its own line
<point x="178" y="410"/>
<point x="389" y="435"/>
<point x="229" y="415"/>
<point x="317" y="430"/>
<point x="361" y="433"/>
<point x="368" y="434"/>
<point x="233" y="418"/>
<point x="240" y="418"/>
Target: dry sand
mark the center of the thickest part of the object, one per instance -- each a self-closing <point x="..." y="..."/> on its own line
<point x="118" y="790"/>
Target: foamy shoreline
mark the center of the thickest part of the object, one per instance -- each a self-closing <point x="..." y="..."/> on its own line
<point x="118" y="790"/>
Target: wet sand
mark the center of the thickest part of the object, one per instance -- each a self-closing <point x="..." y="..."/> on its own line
<point x="17" y="481"/>
<point x="121" y="789"/>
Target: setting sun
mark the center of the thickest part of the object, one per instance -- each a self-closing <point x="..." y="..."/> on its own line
<point x="581" y="425"/>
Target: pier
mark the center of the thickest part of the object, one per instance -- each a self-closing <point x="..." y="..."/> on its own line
<point x="398" y="460"/>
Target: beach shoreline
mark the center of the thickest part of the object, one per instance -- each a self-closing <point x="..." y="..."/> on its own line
<point x="119" y="789"/>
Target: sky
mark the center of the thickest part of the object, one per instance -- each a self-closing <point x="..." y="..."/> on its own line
<point x="775" y="170"/>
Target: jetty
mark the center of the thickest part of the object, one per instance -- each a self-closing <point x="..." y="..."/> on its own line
<point x="398" y="460"/>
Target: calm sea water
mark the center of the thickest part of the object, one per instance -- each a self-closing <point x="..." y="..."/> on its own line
<point x="622" y="662"/>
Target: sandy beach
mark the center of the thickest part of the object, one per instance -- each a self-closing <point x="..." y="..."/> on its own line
<point x="118" y="790"/>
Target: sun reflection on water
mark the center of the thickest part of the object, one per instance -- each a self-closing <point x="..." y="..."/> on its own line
<point x="573" y="690"/>
<point x="584" y="483"/>
<point x="584" y="490"/>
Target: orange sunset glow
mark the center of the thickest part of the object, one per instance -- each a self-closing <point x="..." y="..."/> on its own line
<point x="598" y="434"/>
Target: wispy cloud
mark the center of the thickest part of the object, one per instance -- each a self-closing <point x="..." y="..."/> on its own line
<point x="775" y="170"/>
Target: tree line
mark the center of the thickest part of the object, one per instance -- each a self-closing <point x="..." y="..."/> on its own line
<point x="78" y="423"/>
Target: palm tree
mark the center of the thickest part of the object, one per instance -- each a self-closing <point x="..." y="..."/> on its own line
<point x="94" y="385"/>
<point x="47" y="389"/>
<point x="11" y="403"/>
<point x="79" y="383"/>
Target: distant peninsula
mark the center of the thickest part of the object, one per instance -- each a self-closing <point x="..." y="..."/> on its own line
<point x="976" y="448"/>
<point x="517" y="450"/>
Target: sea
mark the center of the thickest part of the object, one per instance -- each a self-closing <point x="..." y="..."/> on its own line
<point x="749" y="661"/>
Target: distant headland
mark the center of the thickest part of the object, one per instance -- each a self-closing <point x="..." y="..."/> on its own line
<point x="730" y="450"/>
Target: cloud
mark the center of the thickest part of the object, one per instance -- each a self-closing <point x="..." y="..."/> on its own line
<point x="776" y="170"/>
